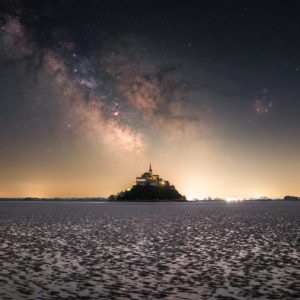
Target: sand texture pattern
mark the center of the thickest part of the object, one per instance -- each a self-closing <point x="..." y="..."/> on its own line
<point x="149" y="250"/>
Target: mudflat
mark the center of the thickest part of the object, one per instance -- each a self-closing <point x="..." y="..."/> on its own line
<point x="81" y="250"/>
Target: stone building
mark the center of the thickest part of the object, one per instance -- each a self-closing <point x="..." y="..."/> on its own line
<point x="148" y="178"/>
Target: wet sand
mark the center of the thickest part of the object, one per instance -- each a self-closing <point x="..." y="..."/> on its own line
<point x="85" y="250"/>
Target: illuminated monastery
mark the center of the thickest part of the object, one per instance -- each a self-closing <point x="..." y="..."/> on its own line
<point x="148" y="178"/>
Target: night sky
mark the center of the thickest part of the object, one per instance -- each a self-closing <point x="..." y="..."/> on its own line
<point x="92" y="91"/>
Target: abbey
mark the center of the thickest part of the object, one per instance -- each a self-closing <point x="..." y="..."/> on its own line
<point x="149" y="179"/>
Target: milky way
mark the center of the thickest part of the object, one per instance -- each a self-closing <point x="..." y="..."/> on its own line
<point x="119" y="93"/>
<point x="100" y="89"/>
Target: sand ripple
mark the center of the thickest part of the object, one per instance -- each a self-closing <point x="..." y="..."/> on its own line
<point x="149" y="251"/>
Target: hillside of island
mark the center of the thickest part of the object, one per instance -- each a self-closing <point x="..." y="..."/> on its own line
<point x="149" y="187"/>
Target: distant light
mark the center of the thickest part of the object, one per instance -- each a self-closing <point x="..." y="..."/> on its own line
<point x="116" y="113"/>
<point x="233" y="199"/>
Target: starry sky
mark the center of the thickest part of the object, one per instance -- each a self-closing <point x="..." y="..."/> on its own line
<point x="92" y="91"/>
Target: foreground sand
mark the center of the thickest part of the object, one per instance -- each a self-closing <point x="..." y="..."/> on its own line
<point x="149" y="251"/>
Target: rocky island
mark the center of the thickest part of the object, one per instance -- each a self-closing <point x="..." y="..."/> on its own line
<point x="149" y="187"/>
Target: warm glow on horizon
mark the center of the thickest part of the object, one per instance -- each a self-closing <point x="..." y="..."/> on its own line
<point x="198" y="172"/>
<point x="206" y="185"/>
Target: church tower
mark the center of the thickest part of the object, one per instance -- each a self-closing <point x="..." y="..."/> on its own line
<point x="150" y="170"/>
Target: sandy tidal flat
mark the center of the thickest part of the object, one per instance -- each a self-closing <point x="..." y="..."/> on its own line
<point x="77" y="250"/>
